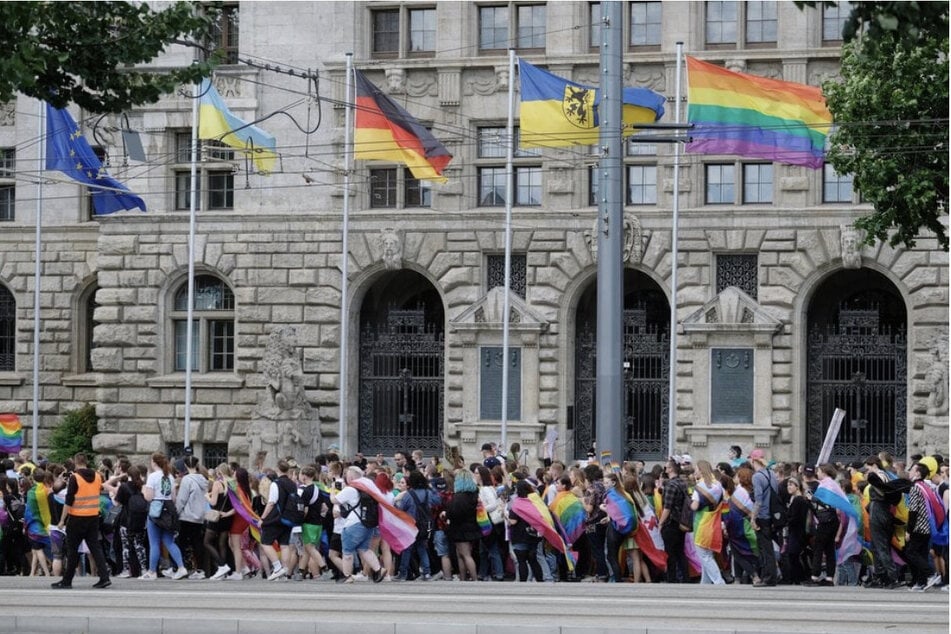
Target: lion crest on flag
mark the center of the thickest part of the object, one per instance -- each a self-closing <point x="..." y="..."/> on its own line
<point x="578" y="106"/>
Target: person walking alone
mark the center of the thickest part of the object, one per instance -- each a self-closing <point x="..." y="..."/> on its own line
<point x="80" y="519"/>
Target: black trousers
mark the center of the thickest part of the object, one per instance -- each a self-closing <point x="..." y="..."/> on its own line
<point x="824" y="545"/>
<point x="916" y="554"/>
<point x="882" y="526"/>
<point x="79" y="529"/>
<point x="676" y="557"/>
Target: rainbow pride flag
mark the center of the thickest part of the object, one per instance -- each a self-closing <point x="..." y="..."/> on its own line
<point x="397" y="527"/>
<point x="242" y="506"/>
<point x="37" y="514"/>
<point x="755" y="117"/>
<point x="570" y="513"/>
<point x="533" y="510"/>
<point x="11" y="433"/>
<point x="482" y="517"/>
<point x="620" y="508"/>
<point x="708" y="519"/>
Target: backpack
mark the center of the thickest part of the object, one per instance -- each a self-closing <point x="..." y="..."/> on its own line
<point x="369" y="510"/>
<point x="424" y="517"/>
<point x="293" y="511"/>
<point x="138" y="512"/>
<point x="777" y="511"/>
<point x="685" y="521"/>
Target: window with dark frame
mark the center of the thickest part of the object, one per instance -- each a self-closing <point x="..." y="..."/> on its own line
<point x="645" y="24"/>
<point x="8" y="190"/>
<point x="493" y="28"/>
<point x="721" y="20"/>
<point x="416" y="193"/>
<point x="720" y="183"/>
<point x="761" y="21"/>
<point x="495" y="272"/>
<point x="88" y="327"/>
<point x="226" y="33"/>
<point x="641" y="185"/>
<point x="729" y="24"/>
<point x="740" y="270"/>
<point x="531" y="27"/>
<point x="215" y="174"/>
<point x="528" y="177"/>
<point x="834" y="18"/>
<point x="836" y="188"/>
<point x="8" y="326"/>
<point x="757" y="183"/>
<point x="386" y="31"/>
<point x="422" y="31"/>
<point x="522" y="25"/>
<point x="213" y="326"/>
<point x="383" y="188"/>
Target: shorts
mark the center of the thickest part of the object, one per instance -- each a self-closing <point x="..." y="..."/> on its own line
<point x="335" y="543"/>
<point x="276" y="532"/>
<point x="310" y="534"/>
<point x="357" y="538"/>
<point x="238" y="525"/>
<point x="441" y="543"/>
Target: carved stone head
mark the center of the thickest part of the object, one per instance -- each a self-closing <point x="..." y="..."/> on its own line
<point x="851" y="252"/>
<point x="391" y="247"/>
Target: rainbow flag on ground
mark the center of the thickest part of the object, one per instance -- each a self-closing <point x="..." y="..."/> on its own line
<point x="11" y="433"/>
<point x="570" y="513"/>
<point x="397" y="527"/>
<point x="533" y="510"/>
<point x="755" y="117"/>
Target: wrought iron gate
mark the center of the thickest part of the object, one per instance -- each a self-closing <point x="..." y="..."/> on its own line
<point x="859" y="364"/>
<point x="401" y="384"/>
<point x="646" y="381"/>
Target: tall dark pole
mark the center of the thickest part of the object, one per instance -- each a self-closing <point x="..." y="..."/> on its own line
<point x="609" y="424"/>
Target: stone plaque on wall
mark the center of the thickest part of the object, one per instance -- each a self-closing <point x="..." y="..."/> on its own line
<point x="731" y="385"/>
<point x="490" y="383"/>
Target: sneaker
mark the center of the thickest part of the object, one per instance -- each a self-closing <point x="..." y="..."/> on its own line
<point x="895" y="585"/>
<point x="347" y="579"/>
<point x="221" y="573"/>
<point x="181" y="573"/>
<point x="198" y="575"/>
<point x="125" y="574"/>
<point x="379" y="575"/>
<point x="102" y="583"/>
<point x="933" y="580"/>
<point x="917" y="588"/>
<point x="168" y="573"/>
<point x="148" y="575"/>
<point x="427" y="577"/>
<point x="277" y="573"/>
<point x="360" y="577"/>
<point x="437" y="576"/>
<point x="234" y="576"/>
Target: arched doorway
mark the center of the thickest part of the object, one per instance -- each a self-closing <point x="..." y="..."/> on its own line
<point x="646" y="368"/>
<point x="401" y="365"/>
<point x="857" y="361"/>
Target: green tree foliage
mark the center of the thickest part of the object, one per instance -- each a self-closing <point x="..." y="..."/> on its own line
<point x="86" y="52"/>
<point x="891" y="113"/>
<point x="74" y="434"/>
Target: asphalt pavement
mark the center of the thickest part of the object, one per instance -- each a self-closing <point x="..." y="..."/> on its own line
<point x="30" y="606"/>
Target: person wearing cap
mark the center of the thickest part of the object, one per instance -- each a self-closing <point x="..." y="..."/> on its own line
<point x="764" y="486"/>
<point x="489" y="459"/>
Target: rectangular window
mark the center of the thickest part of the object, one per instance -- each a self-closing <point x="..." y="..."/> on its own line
<point x="740" y="270"/>
<point x="422" y="30"/>
<point x="216" y="169"/>
<point x="833" y="20"/>
<point x="383" y="188"/>
<point x="214" y="453"/>
<point x="761" y="22"/>
<point x="220" y="189"/>
<point x="181" y="339"/>
<point x="8" y="329"/>
<point x="758" y="183"/>
<point x="490" y="384"/>
<point x="531" y="26"/>
<point x="492" y="186"/>
<point x="221" y="349"/>
<point x="386" y="31"/>
<point x="642" y="184"/>
<point x="835" y="187"/>
<point x="493" y="28"/>
<point x="528" y="186"/>
<point x="721" y="182"/>
<point x="721" y="22"/>
<point x="7" y="184"/>
<point x="416" y="193"/>
<point x="594" y="176"/>
<point x="226" y="34"/>
<point x="495" y="273"/>
<point x="645" y="23"/>
<point x="594" y="28"/>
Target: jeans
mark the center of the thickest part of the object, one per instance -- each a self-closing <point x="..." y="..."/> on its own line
<point x="421" y="546"/>
<point x="709" y="569"/>
<point x="490" y="557"/>
<point x="767" y="556"/>
<point x="613" y="542"/>
<point x="157" y="538"/>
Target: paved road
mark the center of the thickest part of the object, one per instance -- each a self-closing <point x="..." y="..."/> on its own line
<point x="29" y="606"/>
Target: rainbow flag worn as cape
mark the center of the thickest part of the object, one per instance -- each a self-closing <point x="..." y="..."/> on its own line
<point x="831" y="494"/>
<point x="11" y="433"/>
<point x="533" y="510"/>
<point x="620" y="508"/>
<point x="648" y="538"/>
<point x="738" y="525"/>
<point x="708" y="519"/>
<point x="483" y="519"/>
<point x="397" y="527"/>
<point x="37" y="514"/>
<point x="570" y="513"/>
<point x="242" y="506"/>
<point x="937" y="517"/>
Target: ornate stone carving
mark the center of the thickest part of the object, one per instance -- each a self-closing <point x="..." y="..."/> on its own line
<point x="395" y="81"/>
<point x="391" y="247"/>
<point x="8" y="113"/>
<point x="936" y="379"/>
<point x="501" y="78"/>
<point x="851" y="252"/>
<point x="633" y="245"/>
<point x="228" y="86"/>
<point x="283" y="423"/>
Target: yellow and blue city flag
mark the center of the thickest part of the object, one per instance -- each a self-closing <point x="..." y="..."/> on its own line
<point x="556" y="112"/>
<point x="68" y="151"/>
<point x="216" y="122"/>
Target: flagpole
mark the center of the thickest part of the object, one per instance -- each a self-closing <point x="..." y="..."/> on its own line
<point x="509" y="191"/>
<point x="345" y="264"/>
<point x="672" y="378"/>
<point x="36" y="282"/>
<point x="189" y="327"/>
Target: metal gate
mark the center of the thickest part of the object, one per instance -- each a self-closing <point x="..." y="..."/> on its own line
<point x="646" y="380"/>
<point x="401" y="384"/>
<point x="857" y="363"/>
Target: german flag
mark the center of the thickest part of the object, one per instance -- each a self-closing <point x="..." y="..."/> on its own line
<point x="384" y="131"/>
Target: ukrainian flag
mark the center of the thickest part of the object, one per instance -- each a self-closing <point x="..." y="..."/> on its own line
<point x="556" y="112"/>
<point x="216" y="122"/>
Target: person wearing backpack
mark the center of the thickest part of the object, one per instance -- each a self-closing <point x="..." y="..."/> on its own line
<point x="360" y="514"/>
<point x="132" y="524"/>
<point x="765" y="491"/>
<point x="418" y="501"/>
<point x="280" y="515"/>
<point x="675" y="498"/>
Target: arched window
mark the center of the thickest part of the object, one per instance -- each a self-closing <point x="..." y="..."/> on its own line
<point x="213" y="330"/>
<point x="8" y="323"/>
<point x="86" y="309"/>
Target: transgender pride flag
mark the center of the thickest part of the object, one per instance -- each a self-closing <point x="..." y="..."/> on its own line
<point x="11" y="433"/>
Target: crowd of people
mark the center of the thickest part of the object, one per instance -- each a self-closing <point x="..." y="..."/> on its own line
<point x="748" y="520"/>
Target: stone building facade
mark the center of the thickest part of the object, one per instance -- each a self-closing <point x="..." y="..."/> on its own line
<point x="781" y="315"/>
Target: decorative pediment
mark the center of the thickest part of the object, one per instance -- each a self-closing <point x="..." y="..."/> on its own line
<point x="731" y="311"/>
<point x="486" y="314"/>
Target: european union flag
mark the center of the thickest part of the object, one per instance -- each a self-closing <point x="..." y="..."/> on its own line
<point x="68" y="151"/>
